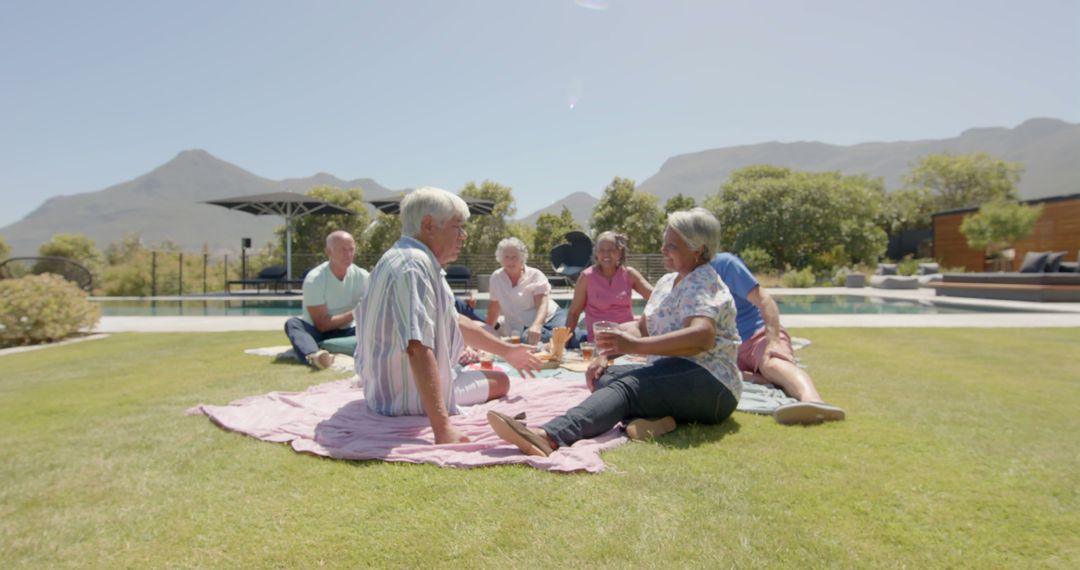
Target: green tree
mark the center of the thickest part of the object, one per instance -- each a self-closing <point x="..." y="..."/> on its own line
<point x="309" y="232"/>
<point x="964" y="180"/>
<point x="550" y="230"/>
<point x="75" y="247"/>
<point x="636" y="214"/>
<point x="801" y="219"/>
<point x="128" y="271"/>
<point x="522" y="231"/>
<point x="5" y="249"/>
<point x="485" y="232"/>
<point x="377" y="238"/>
<point x="679" y="203"/>
<point x="129" y="247"/>
<point x="998" y="224"/>
<point x="907" y="209"/>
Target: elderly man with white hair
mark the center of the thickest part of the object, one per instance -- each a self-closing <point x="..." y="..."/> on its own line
<point x="409" y="335"/>
<point x="522" y="295"/>
<point x="331" y="291"/>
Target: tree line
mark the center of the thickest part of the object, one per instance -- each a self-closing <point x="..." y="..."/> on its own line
<point x="776" y="218"/>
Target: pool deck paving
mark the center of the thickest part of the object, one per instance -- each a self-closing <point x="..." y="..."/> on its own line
<point x="1040" y="315"/>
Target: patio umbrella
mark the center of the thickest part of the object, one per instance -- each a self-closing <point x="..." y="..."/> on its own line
<point x="477" y="207"/>
<point x="289" y="205"/>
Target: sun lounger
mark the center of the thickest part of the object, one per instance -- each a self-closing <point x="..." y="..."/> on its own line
<point x="886" y="277"/>
<point x="273" y="278"/>
<point x="1012" y="286"/>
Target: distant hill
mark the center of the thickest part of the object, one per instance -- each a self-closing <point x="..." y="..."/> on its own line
<point x="165" y="204"/>
<point x="579" y="203"/>
<point x="1049" y="149"/>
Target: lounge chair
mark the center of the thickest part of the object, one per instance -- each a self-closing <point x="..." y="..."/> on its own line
<point x="570" y="259"/>
<point x="272" y="278"/>
<point x="886" y="277"/>
<point x="459" y="277"/>
<point x="1013" y="286"/>
<point x="928" y="273"/>
<point x="73" y="271"/>
<point x="1038" y="280"/>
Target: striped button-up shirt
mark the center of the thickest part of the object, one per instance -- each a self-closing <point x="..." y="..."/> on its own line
<point x="408" y="299"/>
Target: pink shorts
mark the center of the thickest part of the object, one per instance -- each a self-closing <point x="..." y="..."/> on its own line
<point x="752" y="350"/>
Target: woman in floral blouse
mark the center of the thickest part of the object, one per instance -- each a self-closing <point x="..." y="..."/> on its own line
<point x="688" y="332"/>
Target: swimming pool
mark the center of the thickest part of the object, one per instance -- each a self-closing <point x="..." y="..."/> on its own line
<point x="789" y="305"/>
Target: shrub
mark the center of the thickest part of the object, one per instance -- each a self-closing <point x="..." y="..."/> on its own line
<point x="907" y="267"/>
<point x="43" y="308"/>
<point x="839" y="277"/>
<point x="127" y="280"/>
<point x="756" y="259"/>
<point x="825" y="262"/>
<point x="798" y="279"/>
<point x="910" y="266"/>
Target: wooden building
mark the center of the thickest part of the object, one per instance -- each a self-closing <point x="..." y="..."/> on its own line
<point x="1058" y="229"/>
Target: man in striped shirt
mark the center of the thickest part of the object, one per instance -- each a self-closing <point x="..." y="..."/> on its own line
<point x="409" y="335"/>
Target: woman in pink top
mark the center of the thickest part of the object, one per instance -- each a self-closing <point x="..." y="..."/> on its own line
<point x="604" y="290"/>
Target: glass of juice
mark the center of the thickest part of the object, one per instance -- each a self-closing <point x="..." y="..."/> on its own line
<point x="603" y="327"/>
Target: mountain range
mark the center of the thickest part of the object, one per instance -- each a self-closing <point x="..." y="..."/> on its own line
<point x="166" y="203"/>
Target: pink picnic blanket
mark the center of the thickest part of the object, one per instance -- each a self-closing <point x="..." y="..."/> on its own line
<point x="333" y="420"/>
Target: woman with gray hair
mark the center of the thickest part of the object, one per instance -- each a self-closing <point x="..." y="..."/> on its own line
<point x="604" y="292"/>
<point x="522" y="296"/>
<point x="687" y="331"/>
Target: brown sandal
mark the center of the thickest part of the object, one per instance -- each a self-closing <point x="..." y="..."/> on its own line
<point x="515" y="432"/>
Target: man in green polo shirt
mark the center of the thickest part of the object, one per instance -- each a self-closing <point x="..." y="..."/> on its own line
<point x="331" y="291"/>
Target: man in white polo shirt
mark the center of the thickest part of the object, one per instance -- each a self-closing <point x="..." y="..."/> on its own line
<point x="409" y="335"/>
<point x="331" y="291"/>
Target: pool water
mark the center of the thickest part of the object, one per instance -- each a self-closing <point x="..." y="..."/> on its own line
<point x="789" y="305"/>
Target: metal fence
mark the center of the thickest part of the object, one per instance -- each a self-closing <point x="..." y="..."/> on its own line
<point x="177" y="273"/>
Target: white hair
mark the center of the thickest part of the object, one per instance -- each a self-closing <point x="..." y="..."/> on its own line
<point x="441" y="205"/>
<point x="514" y="243"/>
<point x="699" y="228"/>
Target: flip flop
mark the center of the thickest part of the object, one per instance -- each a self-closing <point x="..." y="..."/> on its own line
<point x="515" y="432"/>
<point x="806" y="413"/>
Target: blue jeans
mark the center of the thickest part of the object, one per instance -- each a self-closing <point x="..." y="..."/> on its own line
<point x="305" y="338"/>
<point x="669" y="387"/>
<point x="559" y="320"/>
<point x="463" y="308"/>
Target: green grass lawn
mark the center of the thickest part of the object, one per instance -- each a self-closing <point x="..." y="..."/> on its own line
<point x="961" y="448"/>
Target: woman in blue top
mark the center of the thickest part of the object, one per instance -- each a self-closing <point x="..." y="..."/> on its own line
<point x="688" y="332"/>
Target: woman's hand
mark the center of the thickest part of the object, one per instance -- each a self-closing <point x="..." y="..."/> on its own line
<point x="534" y="334"/>
<point x="595" y="371"/>
<point x="612" y="343"/>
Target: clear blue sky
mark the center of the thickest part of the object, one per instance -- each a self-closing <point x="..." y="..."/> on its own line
<point x="547" y="96"/>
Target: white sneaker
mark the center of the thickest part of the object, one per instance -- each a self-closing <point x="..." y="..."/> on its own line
<point x="321" y="359"/>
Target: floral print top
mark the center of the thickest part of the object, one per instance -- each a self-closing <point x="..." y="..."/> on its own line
<point x="700" y="294"/>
